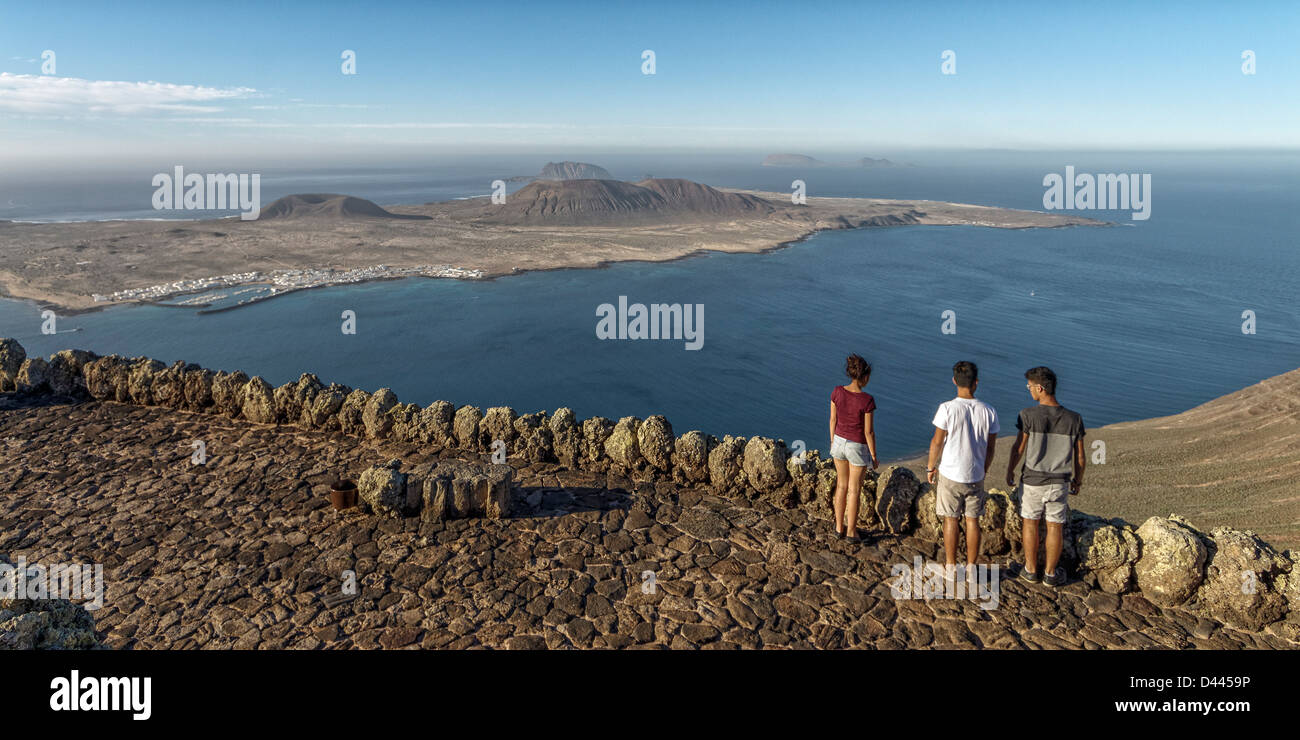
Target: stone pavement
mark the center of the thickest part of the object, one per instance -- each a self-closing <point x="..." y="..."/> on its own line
<point x="245" y="552"/>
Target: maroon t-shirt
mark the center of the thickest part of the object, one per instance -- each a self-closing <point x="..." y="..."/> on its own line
<point x="849" y="408"/>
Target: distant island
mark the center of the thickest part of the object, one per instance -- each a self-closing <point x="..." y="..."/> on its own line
<point x="804" y="161"/>
<point x="567" y="171"/>
<point x="318" y="205"/>
<point x="312" y="240"/>
<point x="574" y="171"/>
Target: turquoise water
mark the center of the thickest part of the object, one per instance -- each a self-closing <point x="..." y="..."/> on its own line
<point x="1139" y="320"/>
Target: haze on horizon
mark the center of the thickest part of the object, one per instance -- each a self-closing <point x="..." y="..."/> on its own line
<point x="153" y="81"/>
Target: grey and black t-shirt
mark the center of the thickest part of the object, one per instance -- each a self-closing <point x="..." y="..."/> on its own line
<point x="1049" y="451"/>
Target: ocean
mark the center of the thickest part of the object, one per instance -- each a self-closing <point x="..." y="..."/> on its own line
<point x="1140" y="319"/>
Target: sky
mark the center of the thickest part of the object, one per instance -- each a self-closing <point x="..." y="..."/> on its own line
<point x="158" y="79"/>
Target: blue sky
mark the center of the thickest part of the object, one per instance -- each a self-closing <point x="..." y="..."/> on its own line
<point x="505" y="76"/>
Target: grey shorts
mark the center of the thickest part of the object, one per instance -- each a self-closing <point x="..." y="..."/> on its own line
<point x="1051" y="501"/>
<point x="855" y="452"/>
<point x="953" y="499"/>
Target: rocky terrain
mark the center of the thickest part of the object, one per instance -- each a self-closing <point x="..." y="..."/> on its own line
<point x="43" y="624"/>
<point x="614" y="534"/>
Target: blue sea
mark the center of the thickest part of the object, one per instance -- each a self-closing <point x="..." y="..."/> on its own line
<point x="1140" y="319"/>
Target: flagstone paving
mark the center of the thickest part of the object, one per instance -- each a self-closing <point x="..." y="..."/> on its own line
<point x="244" y="551"/>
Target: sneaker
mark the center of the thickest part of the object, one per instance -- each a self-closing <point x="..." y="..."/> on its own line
<point x="1028" y="576"/>
<point x="1056" y="578"/>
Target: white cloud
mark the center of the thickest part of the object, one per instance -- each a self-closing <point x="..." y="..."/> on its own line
<point x="428" y="125"/>
<point x="46" y="94"/>
<point x="307" y="105"/>
<point x="440" y="125"/>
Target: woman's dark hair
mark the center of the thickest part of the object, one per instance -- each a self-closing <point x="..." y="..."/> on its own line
<point x="1042" y="376"/>
<point x="857" y="368"/>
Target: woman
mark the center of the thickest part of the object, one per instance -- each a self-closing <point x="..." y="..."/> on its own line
<point x="853" y="443"/>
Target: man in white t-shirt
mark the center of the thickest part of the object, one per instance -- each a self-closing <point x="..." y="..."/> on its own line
<point x="965" y="430"/>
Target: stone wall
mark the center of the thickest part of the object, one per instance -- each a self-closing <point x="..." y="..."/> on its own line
<point x="449" y="489"/>
<point x="1228" y="574"/>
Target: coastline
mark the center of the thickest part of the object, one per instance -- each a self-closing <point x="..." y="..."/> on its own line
<point x="536" y="247"/>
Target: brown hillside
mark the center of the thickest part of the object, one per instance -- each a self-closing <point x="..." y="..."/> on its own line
<point x="609" y="202"/>
<point x="328" y="206"/>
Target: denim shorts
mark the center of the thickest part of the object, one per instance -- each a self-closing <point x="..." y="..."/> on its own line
<point x="855" y="452"/>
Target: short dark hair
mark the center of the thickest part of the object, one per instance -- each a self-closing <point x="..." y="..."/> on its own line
<point x="1042" y="376"/>
<point x="857" y="368"/>
<point x="965" y="373"/>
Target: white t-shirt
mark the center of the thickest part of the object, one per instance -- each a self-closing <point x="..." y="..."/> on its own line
<point x="969" y="422"/>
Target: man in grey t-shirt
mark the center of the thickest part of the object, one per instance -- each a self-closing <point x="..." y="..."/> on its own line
<point x="1050" y="441"/>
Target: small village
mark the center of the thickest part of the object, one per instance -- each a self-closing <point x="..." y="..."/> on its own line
<point x="283" y="281"/>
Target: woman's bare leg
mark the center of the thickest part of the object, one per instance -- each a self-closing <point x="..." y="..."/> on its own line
<point x="854" y="495"/>
<point x="841" y="489"/>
